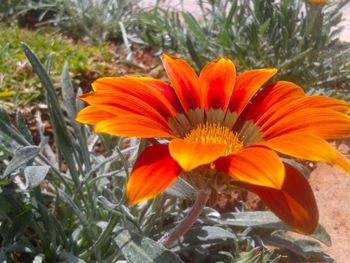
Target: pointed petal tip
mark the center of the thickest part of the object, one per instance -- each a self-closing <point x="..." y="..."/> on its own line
<point x="272" y="70"/>
<point x="166" y="56"/>
<point x="85" y="96"/>
<point x="295" y="203"/>
<point x="132" y="200"/>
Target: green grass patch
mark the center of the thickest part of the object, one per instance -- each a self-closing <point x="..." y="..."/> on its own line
<point x="18" y="84"/>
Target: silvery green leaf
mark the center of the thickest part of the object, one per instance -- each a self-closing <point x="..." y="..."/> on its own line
<point x="3" y="256"/>
<point x="35" y="174"/>
<point x="208" y="234"/>
<point x="39" y="258"/>
<point x="304" y="248"/>
<point x="69" y="202"/>
<point x="181" y="189"/>
<point x="21" y="248"/>
<point x="22" y="156"/>
<point x="22" y="127"/>
<point x="138" y="249"/>
<point x="68" y="92"/>
<point x="63" y="137"/>
<point x="4" y="117"/>
<point x="70" y="258"/>
<point x="7" y="145"/>
<point x="267" y="220"/>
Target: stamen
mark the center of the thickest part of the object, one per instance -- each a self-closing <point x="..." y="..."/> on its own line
<point x="214" y="133"/>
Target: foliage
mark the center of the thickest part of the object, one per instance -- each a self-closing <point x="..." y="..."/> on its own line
<point x="96" y="21"/>
<point x="18" y="85"/>
<point x="299" y="39"/>
<point x="70" y="205"/>
<point x="7" y="9"/>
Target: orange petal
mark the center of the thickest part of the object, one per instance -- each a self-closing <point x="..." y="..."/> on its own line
<point x="304" y="103"/>
<point x="308" y="147"/>
<point x="247" y="84"/>
<point x="191" y="155"/>
<point x="122" y="103"/>
<point x="217" y="80"/>
<point x="185" y="82"/>
<point x="133" y="125"/>
<point x="254" y="165"/>
<point x="321" y="122"/>
<point x="153" y="172"/>
<point x="93" y="115"/>
<point x="275" y="93"/>
<point x="157" y="94"/>
<point x="295" y="203"/>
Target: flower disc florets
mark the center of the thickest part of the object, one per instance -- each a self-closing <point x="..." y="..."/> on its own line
<point x="213" y="133"/>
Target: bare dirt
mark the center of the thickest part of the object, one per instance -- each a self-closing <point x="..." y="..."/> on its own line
<point x="332" y="190"/>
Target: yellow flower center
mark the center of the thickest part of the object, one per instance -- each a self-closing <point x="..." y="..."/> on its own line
<point x="213" y="133"/>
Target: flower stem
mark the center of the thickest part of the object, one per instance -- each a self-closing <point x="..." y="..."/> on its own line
<point x="168" y="239"/>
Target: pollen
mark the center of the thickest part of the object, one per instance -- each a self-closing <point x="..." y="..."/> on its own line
<point x="213" y="133"/>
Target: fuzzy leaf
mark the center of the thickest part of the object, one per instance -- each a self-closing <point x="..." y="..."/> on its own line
<point x="181" y="189"/>
<point x="208" y="234"/>
<point x="63" y="138"/>
<point x="305" y="248"/>
<point x="22" y="156"/>
<point x="35" y="174"/>
<point x="138" y="249"/>
<point x="70" y="258"/>
<point x="22" y="127"/>
<point x="266" y="220"/>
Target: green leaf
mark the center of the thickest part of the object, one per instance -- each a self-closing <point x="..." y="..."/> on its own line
<point x="22" y="127"/>
<point x="200" y="63"/>
<point x="182" y="189"/>
<point x="70" y="258"/>
<point x="305" y="248"/>
<point x="20" y="224"/>
<point x="20" y="247"/>
<point x="7" y="146"/>
<point x="9" y="135"/>
<point x="208" y="234"/>
<point x="138" y="249"/>
<point x="4" y="117"/>
<point x="194" y="27"/>
<point x="35" y="174"/>
<point x="266" y="220"/>
<point x="321" y="235"/>
<point x="3" y="256"/>
<point x="22" y="156"/>
<point x="70" y="104"/>
<point x="69" y="202"/>
<point x="63" y="139"/>
<point x="68" y="93"/>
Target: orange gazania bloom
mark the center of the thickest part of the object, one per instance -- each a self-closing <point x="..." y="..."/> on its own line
<point x="220" y="123"/>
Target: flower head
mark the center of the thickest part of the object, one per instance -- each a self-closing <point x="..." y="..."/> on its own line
<point x="218" y="124"/>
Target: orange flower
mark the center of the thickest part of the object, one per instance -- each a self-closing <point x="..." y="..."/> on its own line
<point x="220" y="124"/>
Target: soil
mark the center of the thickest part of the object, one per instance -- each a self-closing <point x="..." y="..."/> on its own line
<point x="332" y="190"/>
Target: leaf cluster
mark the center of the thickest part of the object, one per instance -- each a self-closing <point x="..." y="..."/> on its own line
<point x="299" y="39"/>
<point x="96" y="21"/>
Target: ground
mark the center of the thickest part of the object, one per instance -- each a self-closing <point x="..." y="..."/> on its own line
<point x="331" y="187"/>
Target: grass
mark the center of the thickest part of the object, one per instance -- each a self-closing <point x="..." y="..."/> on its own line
<point x="19" y="86"/>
